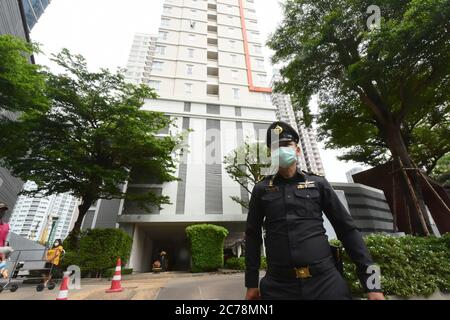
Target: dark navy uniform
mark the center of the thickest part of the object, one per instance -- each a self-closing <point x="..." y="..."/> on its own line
<point x="299" y="257"/>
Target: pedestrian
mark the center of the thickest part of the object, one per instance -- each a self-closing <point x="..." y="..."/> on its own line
<point x="289" y="206"/>
<point x="54" y="255"/>
<point x="4" y="227"/>
<point x="163" y="260"/>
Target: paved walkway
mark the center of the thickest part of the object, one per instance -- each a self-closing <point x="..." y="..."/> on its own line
<point x="222" y="285"/>
<point x="146" y="286"/>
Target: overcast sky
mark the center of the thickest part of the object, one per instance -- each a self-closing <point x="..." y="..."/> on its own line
<point x="102" y="31"/>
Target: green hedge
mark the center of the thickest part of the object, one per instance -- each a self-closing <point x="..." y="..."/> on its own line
<point x="206" y="246"/>
<point x="98" y="251"/>
<point x="410" y="266"/>
<point x="110" y="272"/>
<point x="239" y="263"/>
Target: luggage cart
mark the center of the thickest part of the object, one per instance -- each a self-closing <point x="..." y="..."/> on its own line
<point x="28" y="265"/>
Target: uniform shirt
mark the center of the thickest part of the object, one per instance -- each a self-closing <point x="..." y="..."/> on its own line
<point x="290" y="210"/>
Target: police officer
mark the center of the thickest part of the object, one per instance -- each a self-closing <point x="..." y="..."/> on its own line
<point x="289" y="205"/>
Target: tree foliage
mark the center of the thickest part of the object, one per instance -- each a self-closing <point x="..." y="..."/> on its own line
<point x="22" y="84"/>
<point x="91" y="137"/>
<point x="246" y="165"/>
<point x="379" y="88"/>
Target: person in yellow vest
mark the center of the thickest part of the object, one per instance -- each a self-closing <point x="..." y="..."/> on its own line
<point x="53" y="257"/>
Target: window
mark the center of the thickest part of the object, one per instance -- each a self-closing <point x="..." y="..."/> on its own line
<point x="234" y="58"/>
<point x="157" y="66"/>
<point x="212" y="109"/>
<point x="230" y="30"/>
<point x="188" y="88"/>
<point x="190" y="52"/>
<point x="261" y="78"/>
<point x="234" y="74"/>
<point x="232" y="44"/>
<point x="160" y="50"/>
<point x="165" y="22"/>
<point x="167" y="10"/>
<point x="260" y="63"/>
<point x="257" y="49"/>
<point x="163" y="35"/>
<point x="187" y="107"/>
<point x="192" y="24"/>
<point x="236" y="93"/>
<point x="155" y="85"/>
<point x="189" y="69"/>
<point x="191" y="37"/>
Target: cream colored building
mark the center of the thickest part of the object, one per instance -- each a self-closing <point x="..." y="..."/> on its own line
<point x="208" y="70"/>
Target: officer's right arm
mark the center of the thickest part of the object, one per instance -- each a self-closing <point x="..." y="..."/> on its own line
<point x="253" y="240"/>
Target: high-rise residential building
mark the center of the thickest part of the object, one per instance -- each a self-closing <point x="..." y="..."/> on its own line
<point x="310" y="159"/>
<point x="33" y="11"/>
<point x="141" y="57"/>
<point x="209" y="73"/>
<point x="32" y="217"/>
<point x="12" y="21"/>
<point x="17" y="17"/>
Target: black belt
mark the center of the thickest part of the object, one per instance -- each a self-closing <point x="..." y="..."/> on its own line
<point x="302" y="272"/>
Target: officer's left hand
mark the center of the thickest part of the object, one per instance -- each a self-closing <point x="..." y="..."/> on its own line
<point x="375" y="296"/>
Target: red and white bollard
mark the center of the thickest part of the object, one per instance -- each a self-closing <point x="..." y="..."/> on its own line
<point x="64" y="289"/>
<point x="115" y="284"/>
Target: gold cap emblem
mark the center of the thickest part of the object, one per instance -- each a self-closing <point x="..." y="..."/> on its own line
<point x="278" y="130"/>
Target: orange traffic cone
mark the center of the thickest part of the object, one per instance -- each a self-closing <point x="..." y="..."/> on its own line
<point x="115" y="284"/>
<point x="64" y="289"/>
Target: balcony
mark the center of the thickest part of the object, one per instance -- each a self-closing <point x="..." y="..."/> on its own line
<point x="213" y="56"/>
<point x="212" y="91"/>
<point x="214" y="72"/>
<point x="212" y="6"/>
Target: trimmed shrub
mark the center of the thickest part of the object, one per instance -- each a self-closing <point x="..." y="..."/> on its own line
<point x="410" y="266"/>
<point x="98" y="251"/>
<point x="239" y="263"/>
<point x="206" y="246"/>
<point x="110" y="272"/>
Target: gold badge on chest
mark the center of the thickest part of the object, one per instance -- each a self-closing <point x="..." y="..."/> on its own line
<point x="306" y="185"/>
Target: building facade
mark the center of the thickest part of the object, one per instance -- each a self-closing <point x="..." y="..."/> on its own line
<point x="310" y="159"/>
<point x="208" y="70"/>
<point x="141" y="57"/>
<point x="32" y="217"/>
<point x="33" y="11"/>
<point x="12" y="21"/>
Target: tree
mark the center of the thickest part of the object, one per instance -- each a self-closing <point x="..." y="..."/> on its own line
<point x="380" y="78"/>
<point x="22" y="84"/>
<point x="90" y="139"/>
<point x="441" y="173"/>
<point x="246" y="165"/>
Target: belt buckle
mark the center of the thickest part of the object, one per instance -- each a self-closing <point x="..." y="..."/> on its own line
<point x="302" y="273"/>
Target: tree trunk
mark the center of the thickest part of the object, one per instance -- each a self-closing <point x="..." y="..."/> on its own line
<point x="86" y="203"/>
<point x="73" y="238"/>
<point x="410" y="182"/>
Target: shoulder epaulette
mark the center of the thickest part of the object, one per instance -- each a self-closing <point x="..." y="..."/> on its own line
<point x="262" y="179"/>
<point x="313" y="174"/>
